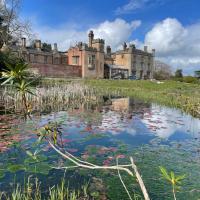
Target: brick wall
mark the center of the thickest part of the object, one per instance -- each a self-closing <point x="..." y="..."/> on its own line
<point x="56" y="71"/>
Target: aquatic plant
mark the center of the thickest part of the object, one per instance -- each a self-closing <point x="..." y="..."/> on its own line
<point x="175" y="181"/>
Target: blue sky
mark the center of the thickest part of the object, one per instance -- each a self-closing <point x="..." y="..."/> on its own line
<point x="170" y="26"/>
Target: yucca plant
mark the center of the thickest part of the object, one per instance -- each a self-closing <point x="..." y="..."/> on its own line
<point x="15" y="75"/>
<point x="174" y="180"/>
<point x="24" y="87"/>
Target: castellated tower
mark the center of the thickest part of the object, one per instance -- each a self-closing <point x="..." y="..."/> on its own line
<point x="95" y="43"/>
<point x="98" y="44"/>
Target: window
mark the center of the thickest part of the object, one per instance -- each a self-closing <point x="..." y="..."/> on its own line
<point x="91" y="61"/>
<point x="133" y="73"/>
<point x="75" y="60"/>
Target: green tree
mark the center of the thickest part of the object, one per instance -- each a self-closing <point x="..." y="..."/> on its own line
<point x="179" y="73"/>
<point x="8" y="58"/>
<point x="46" y="47"/>
<point x="197" y="74"/>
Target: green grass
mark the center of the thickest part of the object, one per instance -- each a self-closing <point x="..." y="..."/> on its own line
<point x="185" y="96"/>
<point x="32" y="191"/>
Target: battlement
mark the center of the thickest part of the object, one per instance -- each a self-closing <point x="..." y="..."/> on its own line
<point x="98" y="41"/>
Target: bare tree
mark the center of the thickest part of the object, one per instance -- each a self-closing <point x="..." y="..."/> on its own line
<point x="162" y="70"/>
<point x="12" y="28"/>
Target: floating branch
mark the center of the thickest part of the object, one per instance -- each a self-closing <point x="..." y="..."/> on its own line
<point x="87" y="165"/>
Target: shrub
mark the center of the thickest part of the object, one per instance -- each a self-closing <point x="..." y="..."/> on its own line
<point x="190" y="79"/>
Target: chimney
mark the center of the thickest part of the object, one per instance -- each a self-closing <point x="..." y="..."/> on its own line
<point x="108" y="50"/>
<point x="145" y="48"/>
<point x="91" y="37"/>
<point x="55" y="47"/>
<point x="38" y="44"/>
<point x="23" y="42"/>
<point x="153" y="52"/>
<point x="124" y="46"/>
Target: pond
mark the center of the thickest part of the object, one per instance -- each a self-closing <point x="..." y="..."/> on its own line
<point x="118" y="127"/>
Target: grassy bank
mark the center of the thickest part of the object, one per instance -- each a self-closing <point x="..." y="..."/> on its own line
<point x="185" y="96"/>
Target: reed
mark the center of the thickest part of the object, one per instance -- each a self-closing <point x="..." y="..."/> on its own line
<point x="54" y="97"/>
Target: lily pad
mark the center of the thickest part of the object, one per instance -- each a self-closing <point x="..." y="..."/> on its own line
<point x="15" y="168"/>
<point x="39" y="168"/>
<point x="2" y="173"/>
<point x="40" y="158"/>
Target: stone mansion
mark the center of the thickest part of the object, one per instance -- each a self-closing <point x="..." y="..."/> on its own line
<point x="91" y="60"/>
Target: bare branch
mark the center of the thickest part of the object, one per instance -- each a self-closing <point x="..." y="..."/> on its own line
<point x="123" y="182"/>
<point x="140" y="181"/>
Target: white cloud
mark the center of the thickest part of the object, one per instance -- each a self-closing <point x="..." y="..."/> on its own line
<point x="134" y="5"/>
<point x="64" y="36"/>
<point x="175" y="44"/>
<point x="114" y="32"/>
<point x="130" y="6"/>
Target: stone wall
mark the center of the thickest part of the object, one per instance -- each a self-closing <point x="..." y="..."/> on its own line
<point x="56" y="71"/>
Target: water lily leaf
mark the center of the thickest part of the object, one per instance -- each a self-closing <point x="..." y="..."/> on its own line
<point x="40" y="158"/>
<point x="39" y="168"/>
<point x="2" y="173"/>
<point x="15" y="168"/>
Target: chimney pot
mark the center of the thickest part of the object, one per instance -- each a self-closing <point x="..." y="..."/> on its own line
<point x="91" y="37"/>
<point x="55" y="47"/>
<point x="23" y="42"/>
<point x="38" y="44"/>
<point x="124" y="46"/>
<point x="108" y="50"/>
<point x="153" y="52"/>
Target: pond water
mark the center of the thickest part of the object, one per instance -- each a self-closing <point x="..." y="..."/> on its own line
<point x="119" y="127"/>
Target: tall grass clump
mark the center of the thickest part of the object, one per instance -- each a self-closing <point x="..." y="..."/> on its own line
<point x="32" y="191"/>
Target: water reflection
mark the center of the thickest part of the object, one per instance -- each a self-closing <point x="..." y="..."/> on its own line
<point x="126" y="119"/>
<point x="126" y="116"/>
